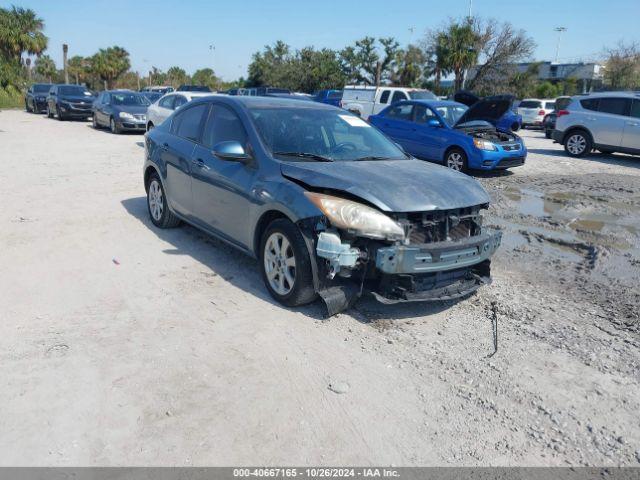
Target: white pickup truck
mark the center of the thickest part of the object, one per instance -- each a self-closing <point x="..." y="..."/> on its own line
<point x="365" y="100"/>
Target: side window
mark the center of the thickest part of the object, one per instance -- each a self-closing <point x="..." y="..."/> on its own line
<point x="635" y="109"/>
<point x="590" y="104"/>
<point x="179" y="101"/>
<point x="223" y="125"/>
<point x="398" y="96"/>
<point x="615" y="106"/>
<point x="423" y="114"/>
<point x="167" y="102"/>
<point x="384" y="98"/>
<point x="106" y="99"/>
<point x="188" y="123"/>
<point x="400" y="112"/>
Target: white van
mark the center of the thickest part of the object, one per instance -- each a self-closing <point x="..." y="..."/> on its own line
<point x="366" y="100"/>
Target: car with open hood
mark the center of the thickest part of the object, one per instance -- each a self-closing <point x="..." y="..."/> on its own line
<point x="121" y="111"/>
<point x="326" y="202"/>
<point x="510" y="120"/>
<point x="460" y="137"/>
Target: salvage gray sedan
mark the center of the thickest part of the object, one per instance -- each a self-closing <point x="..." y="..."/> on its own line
<point x="327" y="203"/>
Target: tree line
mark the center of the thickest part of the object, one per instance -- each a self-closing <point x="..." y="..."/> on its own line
<point x="485" y="48"/>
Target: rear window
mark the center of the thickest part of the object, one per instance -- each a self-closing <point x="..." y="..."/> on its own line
<point x="562" y="103"/>
<point x="550" y="105"/>
<point x="589" y="104"/>
<point x="401" y="112"/>
<point x="334" y="95"/>
<point x="422" y="95"/>
<point x="530" y="104"/>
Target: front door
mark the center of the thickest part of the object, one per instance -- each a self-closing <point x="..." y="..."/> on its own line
<point x="607" y="124"/>
<point x="221" y="188"/>
<point x="398" y="125"/>
<point x="425" y="136"/>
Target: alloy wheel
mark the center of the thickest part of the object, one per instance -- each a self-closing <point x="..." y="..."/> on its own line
<point x="156" y="201"/>
<point x="576" y="144"/>
<point x="280" y="263"/>
<point x="455" y="161"/>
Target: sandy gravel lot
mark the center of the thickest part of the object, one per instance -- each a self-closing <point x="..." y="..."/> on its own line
<point x="124" y="345"/>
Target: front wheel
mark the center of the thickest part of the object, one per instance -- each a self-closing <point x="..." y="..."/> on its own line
<point x="27" y="107"/>
<point x="577" y="144"/>
<point x="285" y="264"/>
<point x="94" y="122"/>
<point x="547" y="133"/>
<point x="149" y="126"/>
<point x="158" y="206"/>
<point x="113" y="126"/>
<point x="456" y="159"/>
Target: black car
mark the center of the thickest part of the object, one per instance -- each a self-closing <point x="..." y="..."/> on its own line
<point x="69" y="102"/>
<point x="193" y="88"/>
<point x="121" y="110"/>
<point x="549" y="121"/>
<point x="35" y="100"/>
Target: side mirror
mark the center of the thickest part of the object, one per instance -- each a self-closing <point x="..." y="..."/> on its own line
<point x="231" y="151"/>
<point x="434" y="123"/>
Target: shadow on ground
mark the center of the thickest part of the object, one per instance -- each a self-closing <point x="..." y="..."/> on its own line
<point x="243" y="272"/>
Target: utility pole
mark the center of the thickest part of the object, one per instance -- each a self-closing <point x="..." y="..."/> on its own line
<point x="28" y="62"/>
<point x="65" y="50"/>
<point x="470" y="8"/>
<point x="559" y="30"/>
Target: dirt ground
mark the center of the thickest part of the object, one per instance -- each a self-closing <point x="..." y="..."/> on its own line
<point x="121" y="344"/>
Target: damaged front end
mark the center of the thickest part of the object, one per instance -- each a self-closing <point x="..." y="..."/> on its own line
<point x="440" y="255"/>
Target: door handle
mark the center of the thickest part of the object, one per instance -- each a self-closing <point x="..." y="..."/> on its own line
<point x="633" y="124"/>
<point x="200" y="163"/>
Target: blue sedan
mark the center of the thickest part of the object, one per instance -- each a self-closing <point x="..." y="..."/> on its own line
<point x="450" y="133"/>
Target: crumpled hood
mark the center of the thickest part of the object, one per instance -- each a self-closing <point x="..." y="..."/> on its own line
<point x="393" y="186"/>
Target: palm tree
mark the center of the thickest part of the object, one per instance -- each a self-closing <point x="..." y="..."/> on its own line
<point x="21" y="32"/>
<point x="176" y="76"/>
<point x="78" y="67"/>
<point x="46" y="67"/>
<point x="437" y="50"/>
<point x="109" y="64"/>
<point x="461" y="51"/>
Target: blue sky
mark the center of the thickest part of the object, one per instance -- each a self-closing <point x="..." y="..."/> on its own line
<point x="164" y="33"/>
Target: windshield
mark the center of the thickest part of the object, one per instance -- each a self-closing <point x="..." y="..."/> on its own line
<point x="152" y="96"/>
<point x="320" y="134"/>
<point x="451" y="113"/>
<point x="75" y="90"/>
<point x="530" y="104"/>
<point x="129" y="99"/>
<point x="421" y="95"/>
<point x="41" y="88"/>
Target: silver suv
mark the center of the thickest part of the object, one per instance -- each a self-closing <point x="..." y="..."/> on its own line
<point x="608" y="122"/>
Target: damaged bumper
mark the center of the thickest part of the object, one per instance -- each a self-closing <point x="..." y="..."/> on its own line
<point x="405" y="273"/>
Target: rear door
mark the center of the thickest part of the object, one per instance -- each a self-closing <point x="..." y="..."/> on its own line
<point x="221" y="187"/>
<point x="631" y="136"/>
<point x="164" y="108"/>
<point x="177" y="152"/>
<point x="608" y="123"/>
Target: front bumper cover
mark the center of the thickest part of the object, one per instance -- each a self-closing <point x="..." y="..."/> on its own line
<point x="437" y="257"/>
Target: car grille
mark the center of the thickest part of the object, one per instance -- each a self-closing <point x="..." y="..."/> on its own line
<point x="511" y="147"/>
<point x="511" y="162"/>
<point x="81" y="106"/>
<point x="450" y="225"/>
<point x="140" y="116"/>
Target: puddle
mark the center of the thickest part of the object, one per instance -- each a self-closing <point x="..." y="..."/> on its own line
<point x="557" y="207"/>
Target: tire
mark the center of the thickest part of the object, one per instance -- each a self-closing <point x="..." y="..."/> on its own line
<point x="113" y="126"/>
<point x="149" y="126"/>
<point x="158" y="206"/>
<point x="547" y="133"/>
<point x="27" y="108"/>
<point x="277" y="272"/>
<point x="456" y="159"/>
<point x="60" y="116"/>
<point x="578" y="143"/>
<point x="94" y="122"/>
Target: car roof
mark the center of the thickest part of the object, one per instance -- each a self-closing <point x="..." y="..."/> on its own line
<point x="613" y="94"/>
<point x="435" y="103"/>
<point x="266" y="102"/>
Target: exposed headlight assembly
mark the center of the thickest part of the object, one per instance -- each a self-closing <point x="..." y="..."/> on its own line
<point x="484" y="144"/>
<point x="356" y="217"/>
<point x="126" y="116"/>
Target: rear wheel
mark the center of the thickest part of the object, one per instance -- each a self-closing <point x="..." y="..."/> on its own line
<point x="577" y="144"/>
<point x="456" y="159"/>
<point x="158" y="206"/>
<point x="285" y="264"/>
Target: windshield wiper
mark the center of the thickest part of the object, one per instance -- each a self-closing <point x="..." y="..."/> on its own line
<point x="371" y="157"/>
<point x="312" y="156"/>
